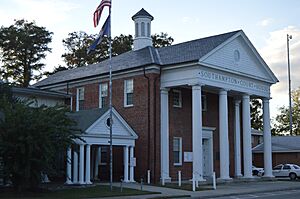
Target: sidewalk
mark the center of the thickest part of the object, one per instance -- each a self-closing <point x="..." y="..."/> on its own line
<point x="222" y="189"/>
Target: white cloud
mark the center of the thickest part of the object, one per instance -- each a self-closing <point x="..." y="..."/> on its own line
<point x="275" y="54"/>
<point x="265" y="22"/>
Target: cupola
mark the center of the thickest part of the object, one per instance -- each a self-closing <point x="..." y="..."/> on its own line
<point x="142" y="23"/>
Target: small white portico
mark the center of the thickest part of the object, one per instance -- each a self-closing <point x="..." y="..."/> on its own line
<point x="233" y="68"/>
<point x="93" y="123"/>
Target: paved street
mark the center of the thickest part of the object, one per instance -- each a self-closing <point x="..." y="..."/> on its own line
<point x="290" y="194"/>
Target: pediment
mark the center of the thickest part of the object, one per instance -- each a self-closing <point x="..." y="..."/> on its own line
<point x="239" y="56"/>
<point x="121" y="128"/>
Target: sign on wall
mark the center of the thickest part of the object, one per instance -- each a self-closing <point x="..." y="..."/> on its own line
<point x="188" y="156"/>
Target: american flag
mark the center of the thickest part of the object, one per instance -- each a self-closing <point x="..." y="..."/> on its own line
<point x="98" y="12"/>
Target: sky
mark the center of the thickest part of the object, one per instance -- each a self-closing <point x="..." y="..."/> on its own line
<point x="265" y="22"/>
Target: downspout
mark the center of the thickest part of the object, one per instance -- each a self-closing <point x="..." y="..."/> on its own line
<point x="148" y="118"/>
<point x="154" y="121"/>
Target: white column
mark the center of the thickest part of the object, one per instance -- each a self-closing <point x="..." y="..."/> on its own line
<point x="69" y="166"/>
<point x="88" y="165"/>
<point x="131" y="165"/>
<point x="267" y="140"/>
<point x="97" y="159"/>
<point x="164" y="131"/>
<point x="237" y="139"/>
<point x="197" y="132"/>
<point x="125" y="151"/>
<point x="223" y="131"/>
<point x="247" y="137"/>
<point x="81" y="164"/>
<point x="75" y="167"/>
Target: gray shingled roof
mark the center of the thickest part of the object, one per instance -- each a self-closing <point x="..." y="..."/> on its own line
<point x="85" y="118"/>
<point x="174" y="54"/>
<point x="142" y="13"/>
<point x="281" y="144"/>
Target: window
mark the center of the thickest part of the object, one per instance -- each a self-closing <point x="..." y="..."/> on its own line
<point x="103" y="155"/>
<point x="177" y="151"/>
<point x="278" y="167"/>
<point x="143" y="29"/>
<point x="177" y="99"/>
<point x="79" y="99"/>
<point x="136" y="29"/>
<point x="128" y="93"/>
<point x="286" y="167"/>
<point x="103" y="88"/>
<point x="204" y="103"/>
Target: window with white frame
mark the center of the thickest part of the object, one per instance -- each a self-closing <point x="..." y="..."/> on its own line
<point x="177" y="151"/>
<point x="177" y="98"/>
<point x="103" y="90"/>
<point x="204" y="103"/>
<point x="128" y="93"/>
<point x="80" y="99"/>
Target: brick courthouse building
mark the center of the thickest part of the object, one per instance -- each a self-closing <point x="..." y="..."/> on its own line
<point x="183" y="108"/>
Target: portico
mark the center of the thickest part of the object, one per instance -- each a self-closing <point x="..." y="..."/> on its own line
<point x="226" y="71"/>
<point x="80" y="169"/>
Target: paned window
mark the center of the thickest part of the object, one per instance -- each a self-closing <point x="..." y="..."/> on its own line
<point x="177" y="98"/>
<point x="177" y="151"/>
<point x="103" y="91"/>
<point x="80" y="99"/>
<point x="128" y="92"/>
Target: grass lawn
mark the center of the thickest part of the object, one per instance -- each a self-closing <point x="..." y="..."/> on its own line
<point x="75" y="193"/>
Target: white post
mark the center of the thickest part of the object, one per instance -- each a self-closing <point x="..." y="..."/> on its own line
<point x="223" y="135"/>
<point x="131" y="164"/>
<point x="214" y="181"/>
<point x="148" y="176"/>
<point x="81" y="164"/>
<point x="247" y="137"/>
<point x="179" y="178"/>
<point x="194" y="184"/>
<point x="237" y="139"/>
<point x="98" y="153"/>
<point x="164" y="129"/>
<point x="125" y="151"/>
<point x="88" y="165"/>
<point x="267" y="140"/>
<point x="197" y="132"/>
<point x="75" y="167"/>
<point x="69" y="166"/>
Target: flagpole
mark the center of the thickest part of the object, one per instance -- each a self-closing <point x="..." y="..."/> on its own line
<point x="110" y="104"/>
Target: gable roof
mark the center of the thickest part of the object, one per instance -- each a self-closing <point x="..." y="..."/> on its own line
<point x="281" y="144"/>
<point x="175" y="54"/>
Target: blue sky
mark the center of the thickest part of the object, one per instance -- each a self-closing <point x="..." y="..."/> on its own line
<point x="265" y="22"/>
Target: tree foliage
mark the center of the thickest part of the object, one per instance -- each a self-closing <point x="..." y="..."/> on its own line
<point x="77" y="43"/>
<point x="31" y="139"/>
<point x="256" y="114"/>
<point x="282" y="120"/>
<point x="22" y="47"/>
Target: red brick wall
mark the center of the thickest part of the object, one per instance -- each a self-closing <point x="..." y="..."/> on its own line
<point x="277" y="158"/>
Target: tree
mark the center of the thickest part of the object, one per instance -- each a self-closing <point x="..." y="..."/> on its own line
<point x="161" y="40"/>
<point x="22" y="47"/>
<point x="77" y="44"/>
<point x="256" y="114"/>
<point x="31" y="139"/>
<point x="282" y="120"/>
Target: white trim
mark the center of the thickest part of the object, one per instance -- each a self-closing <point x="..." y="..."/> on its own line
<point x="179" y="98"/>
<point x="180" y="151"/>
